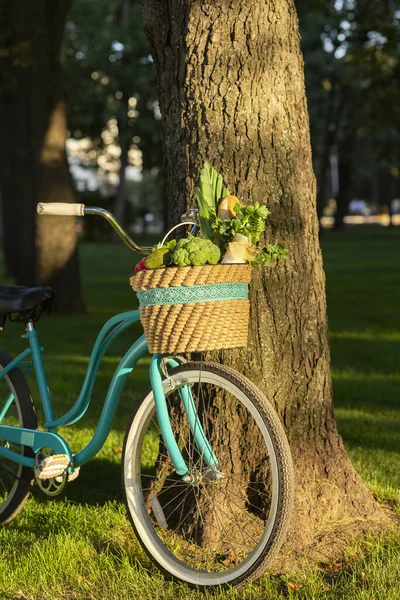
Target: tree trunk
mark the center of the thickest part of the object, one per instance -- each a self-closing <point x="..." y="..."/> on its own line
<point x="125" y="139"/>
<point x="33" y="163"/>
<point x="344" y="195"/>
<point x="328" y="140"/>
<point x="231" y="90"/>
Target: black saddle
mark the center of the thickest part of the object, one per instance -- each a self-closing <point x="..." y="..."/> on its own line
<point x="28" y="302"/>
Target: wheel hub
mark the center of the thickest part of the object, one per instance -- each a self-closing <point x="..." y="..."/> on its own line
<point x="197" y="477"/>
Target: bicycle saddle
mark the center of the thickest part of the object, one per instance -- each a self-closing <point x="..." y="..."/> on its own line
<point x="28" y="301"/>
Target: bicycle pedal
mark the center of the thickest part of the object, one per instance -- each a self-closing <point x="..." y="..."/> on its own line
<point x="52" y="466"/>
<point x="74" y="474"/>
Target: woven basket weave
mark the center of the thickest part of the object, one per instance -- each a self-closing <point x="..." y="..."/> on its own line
<point x="194" y="326"/>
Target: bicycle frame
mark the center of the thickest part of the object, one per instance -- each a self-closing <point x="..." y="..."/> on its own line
<point x="51" y="439"/>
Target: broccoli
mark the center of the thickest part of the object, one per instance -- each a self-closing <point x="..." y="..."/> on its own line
<point x="194" y="251"/>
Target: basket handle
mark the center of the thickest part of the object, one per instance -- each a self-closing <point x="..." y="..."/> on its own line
<point x="175" y="227"/>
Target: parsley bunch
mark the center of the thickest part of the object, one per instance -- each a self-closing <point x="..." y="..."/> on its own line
<point x="266" y="254"/>
<point x="248" y="221"/>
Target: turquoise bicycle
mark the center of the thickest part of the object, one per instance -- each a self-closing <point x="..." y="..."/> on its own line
<point x="206" y="468"/>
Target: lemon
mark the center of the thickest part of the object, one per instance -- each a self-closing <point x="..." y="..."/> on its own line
<point x="226" y="208"/>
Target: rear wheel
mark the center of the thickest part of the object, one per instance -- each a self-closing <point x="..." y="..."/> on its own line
<point x="221" y="527"/>
<point x="16" y="408"/>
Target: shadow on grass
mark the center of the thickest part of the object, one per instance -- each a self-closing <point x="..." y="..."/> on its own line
<point x="368" y="356"/>
<point x="370" y="432"/>
<point x="99" y="482"/>
<point x="372" y="396"/>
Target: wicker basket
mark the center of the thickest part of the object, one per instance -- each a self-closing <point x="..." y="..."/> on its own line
<point x="189" y="309"/>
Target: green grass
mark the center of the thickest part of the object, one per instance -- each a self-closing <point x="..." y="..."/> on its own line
<point x="83" y="547"/>
<point x="363" y="292"/>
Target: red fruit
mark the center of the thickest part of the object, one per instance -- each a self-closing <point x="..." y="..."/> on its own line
<point x="141" y="266"/>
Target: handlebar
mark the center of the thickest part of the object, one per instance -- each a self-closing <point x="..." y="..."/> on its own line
<point x="72" y="209"/>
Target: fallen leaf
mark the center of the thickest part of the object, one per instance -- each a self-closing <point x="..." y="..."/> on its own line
<point x="335" y="566"/>
<point x="293" y="587"/>
<point x="230" y="558"/>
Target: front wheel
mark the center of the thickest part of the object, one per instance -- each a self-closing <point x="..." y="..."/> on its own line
<point x="223" y="526"/>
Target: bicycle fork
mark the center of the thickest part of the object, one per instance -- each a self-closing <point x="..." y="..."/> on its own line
<point x="185" y="392"/>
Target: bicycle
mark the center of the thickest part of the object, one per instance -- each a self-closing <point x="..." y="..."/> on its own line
<point x="206" y="468"/>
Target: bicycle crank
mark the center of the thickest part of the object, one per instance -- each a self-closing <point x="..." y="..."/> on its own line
<point x="50" y="466"/>
<point x="52" y="486"/>
<point x="51" y="472"/>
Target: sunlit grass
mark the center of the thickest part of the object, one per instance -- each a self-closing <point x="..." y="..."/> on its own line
<point x="363" y="291"/>
<point x="371" y="336"/>
<point x="82" y="547"/>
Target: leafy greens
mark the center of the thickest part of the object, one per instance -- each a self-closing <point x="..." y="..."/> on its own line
<point x="249" y="221"/>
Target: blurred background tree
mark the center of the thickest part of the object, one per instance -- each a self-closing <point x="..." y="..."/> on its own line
<point x="113" y="113"/>
<point x="351" y="54"/>
<point x="33" y="163"/>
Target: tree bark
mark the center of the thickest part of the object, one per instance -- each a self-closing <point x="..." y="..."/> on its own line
<point x="231" y="90"/>
<point x="33" y="163"/>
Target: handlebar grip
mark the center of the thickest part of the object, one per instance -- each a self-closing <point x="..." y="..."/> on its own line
<point x="61" y="209"/>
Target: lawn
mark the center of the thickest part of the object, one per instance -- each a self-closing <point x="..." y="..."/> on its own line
<point x="82" y="547"/>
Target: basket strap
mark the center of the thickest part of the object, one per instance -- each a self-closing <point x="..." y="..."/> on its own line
<point x="212" y="292"/>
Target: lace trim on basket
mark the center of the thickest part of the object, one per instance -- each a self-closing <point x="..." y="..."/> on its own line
<point x="212" y="292"/>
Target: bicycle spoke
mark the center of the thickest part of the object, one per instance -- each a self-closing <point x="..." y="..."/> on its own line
<point x="175" y="497"/>
<point x="225" y="539"/>
<point x="243" y="511"/>
<point x="178" y="506"/>
<point x="240" y="498"/>
<point x="177" y="484"/>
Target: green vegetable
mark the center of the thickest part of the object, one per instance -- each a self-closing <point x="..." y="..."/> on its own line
<point x="161" y="256"/>
<point x="209" y="194"/>
<point x="194" y="251"/>
<point x="265" y="256"/>
<point x="171" y="244"/>
<point x="249" y="221"/>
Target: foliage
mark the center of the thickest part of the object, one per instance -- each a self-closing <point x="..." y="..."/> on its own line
<point x="268" y="253"/>
<point x="249" y="221"/>
<point x="110" y="84"/>
<point x="352" y="68"/>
